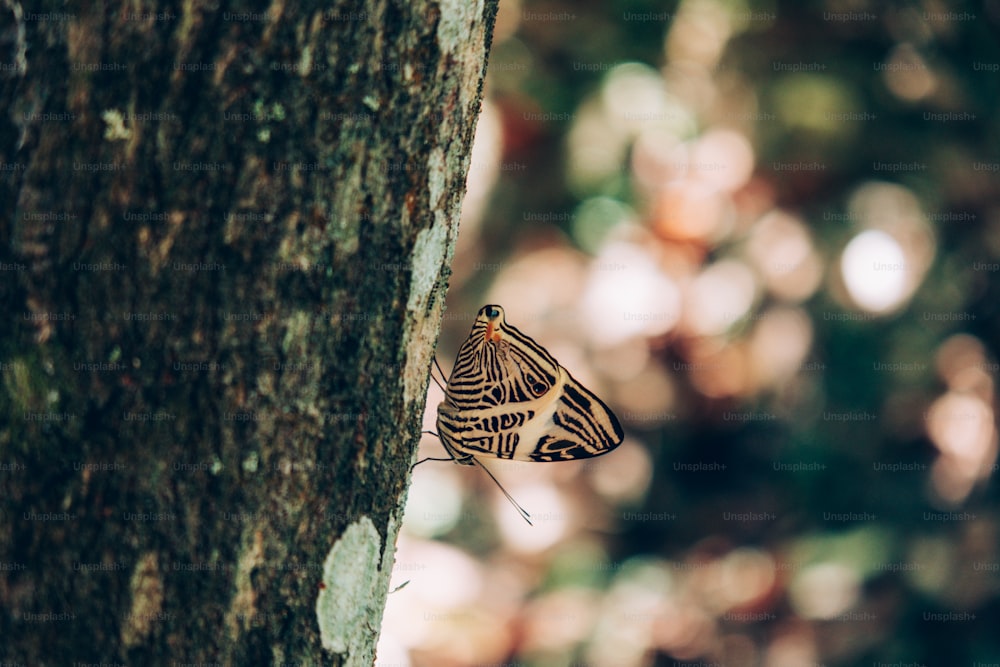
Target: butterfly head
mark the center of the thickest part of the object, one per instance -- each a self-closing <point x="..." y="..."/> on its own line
<point x="492" y="317"/>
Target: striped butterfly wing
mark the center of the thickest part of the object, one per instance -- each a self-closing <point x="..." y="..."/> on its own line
<point x="508" y="398"/>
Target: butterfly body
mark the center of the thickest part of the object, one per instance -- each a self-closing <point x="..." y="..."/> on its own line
<point x="508" y="398"/>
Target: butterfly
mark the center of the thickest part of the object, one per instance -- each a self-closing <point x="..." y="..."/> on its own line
<point x="508" y="398"/>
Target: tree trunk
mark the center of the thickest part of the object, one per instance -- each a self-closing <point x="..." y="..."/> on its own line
<point x="223" y="244"/>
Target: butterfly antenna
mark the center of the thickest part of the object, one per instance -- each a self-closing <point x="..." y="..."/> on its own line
<point x="520" y="510"/>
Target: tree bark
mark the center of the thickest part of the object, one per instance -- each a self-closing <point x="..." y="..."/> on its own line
<point x="223" y="241"/>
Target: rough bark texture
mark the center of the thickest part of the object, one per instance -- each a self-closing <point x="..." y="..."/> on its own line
<point x="223" y="240"/>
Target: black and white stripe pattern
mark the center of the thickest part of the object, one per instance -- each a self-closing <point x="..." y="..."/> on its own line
<point x="508" y="398"/>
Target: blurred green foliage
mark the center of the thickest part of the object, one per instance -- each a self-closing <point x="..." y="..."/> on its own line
<point x="850" y="86"/>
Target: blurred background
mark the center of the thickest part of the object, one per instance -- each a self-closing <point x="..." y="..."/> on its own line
<point x="768" y="236"/>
